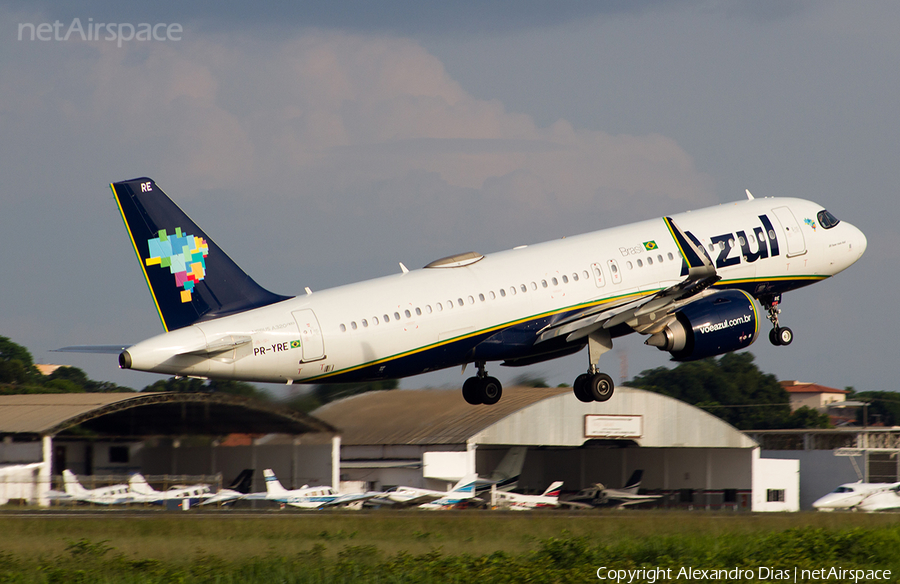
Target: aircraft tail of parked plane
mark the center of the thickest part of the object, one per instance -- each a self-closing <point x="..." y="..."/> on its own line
<point x="189" y="276"/>
<point x="689" y="283"/>
<point x="274" y="488"/>
<point x="634" y="482"/>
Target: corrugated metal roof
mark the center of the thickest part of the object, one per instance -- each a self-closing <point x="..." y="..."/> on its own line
<point x="149" y="414"/>
<point x="527" y="416"/>
<point x="421" y="416"/>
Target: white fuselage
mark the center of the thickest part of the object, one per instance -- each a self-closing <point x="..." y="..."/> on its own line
<point x="860" y="496"/>
<point x="438" y="317"/>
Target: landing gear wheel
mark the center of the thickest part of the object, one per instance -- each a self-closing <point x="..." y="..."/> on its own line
<point x="600" y="387"/>
<point x="491" y="390"/>
<point x="471" y="391"/>
<point x="785" y="335"/>
<point x="580" y="388"/>
<point x="773" y="337"/>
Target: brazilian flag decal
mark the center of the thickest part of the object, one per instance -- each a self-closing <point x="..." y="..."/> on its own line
<point x="650" y="245"/>
<point x="295" y="344"/>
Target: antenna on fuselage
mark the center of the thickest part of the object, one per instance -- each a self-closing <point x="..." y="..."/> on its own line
<point x="749" y="194"/>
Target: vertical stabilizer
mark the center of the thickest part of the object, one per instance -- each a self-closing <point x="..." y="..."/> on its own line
<point x="72" y="486"/>
<point x="634" y="482"/>
<point x="189" y="276"/>
<point x="553" y="490"/>
<point x="273" y="485"/>
<point x="138" y="484"/>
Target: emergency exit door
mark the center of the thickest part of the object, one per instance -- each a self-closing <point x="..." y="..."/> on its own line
<point x="311" y="341"/>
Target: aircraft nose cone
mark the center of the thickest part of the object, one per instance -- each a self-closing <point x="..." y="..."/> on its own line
<point x="861" y="243"/>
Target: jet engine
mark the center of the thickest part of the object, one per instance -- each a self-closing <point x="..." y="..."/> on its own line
<point x="723" y="322"/>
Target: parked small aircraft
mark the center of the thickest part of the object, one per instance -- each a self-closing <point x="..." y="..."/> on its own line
<point x="860" y="496"/>
<point x="305" y="497"/>
<point x="600" y="496"/>
<point x="402" y="497"/>
<point x="519" y="502"/>
<point x="144" y="493"/>
<point x="111" y="495"/>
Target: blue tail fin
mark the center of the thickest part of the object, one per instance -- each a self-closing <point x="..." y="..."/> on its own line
<point x="190" y="277"/>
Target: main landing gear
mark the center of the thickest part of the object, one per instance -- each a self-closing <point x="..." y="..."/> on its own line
<point x="482" y="389"/>
<point x="594" y="385"/>
<point x="778" y="336"/>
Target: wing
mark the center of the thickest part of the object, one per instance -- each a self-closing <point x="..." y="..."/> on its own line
<point x="648" y="313"/>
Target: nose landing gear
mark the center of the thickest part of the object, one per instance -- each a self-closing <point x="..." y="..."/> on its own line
<point x="779" y="335"/>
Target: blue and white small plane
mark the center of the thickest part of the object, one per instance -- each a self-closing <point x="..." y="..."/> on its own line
<point x="401" y="497"/>
<point x="305" y="497"/>
<point x="689" y="283"/>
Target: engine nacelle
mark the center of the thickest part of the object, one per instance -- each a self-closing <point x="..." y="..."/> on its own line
<point x="724" y="322"/>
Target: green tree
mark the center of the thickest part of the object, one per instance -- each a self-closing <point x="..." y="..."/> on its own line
<point x="186" y="385"/>
<point x="324" y="393"/>
<point x="732" y="388"/>
<point x="16" y="363"/>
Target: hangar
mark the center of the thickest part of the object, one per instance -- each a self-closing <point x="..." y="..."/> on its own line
<point x="431" y="438"/>
<point x="160" y="433"/>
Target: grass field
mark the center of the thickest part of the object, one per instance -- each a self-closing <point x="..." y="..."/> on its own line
<point x="414" y="546"/>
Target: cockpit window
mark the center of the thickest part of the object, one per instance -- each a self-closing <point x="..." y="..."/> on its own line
<point x="827" y="220"/>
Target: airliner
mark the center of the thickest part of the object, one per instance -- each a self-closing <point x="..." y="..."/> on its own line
<point x="690" y="283"/>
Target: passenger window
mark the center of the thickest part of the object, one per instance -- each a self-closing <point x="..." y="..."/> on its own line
<point x="544" y="283"/>
<point x="565" y="279"/>
<point x="343" y="328"/>
<point x="659" y="258"/>
<point x="481" y="297"/>
<point x="459" y="301"/>
<point x="493" y="296"/>
<point x="365" y="323"/>
<point x="554" y="281"/>
<point x="534" y="285"/>
<point x="407" y="313"/>
<point x="640" y="264"/>
<point x="396" y="316"/>
<point x="512" y="290"/>
<point x="418" y="311"/>
<point x="428" y="309"/>
<point x="471" y="300"/>
<point x="585" y="274"/>
<point x="440" y="307"/>
<point x="502" y="293"/>
<point x="524" y="289"/>
<point x="353" y="325"/>
<point x="387" y="318"/>
<point x="649" y="261"/>
<point x="374" y="320"/>
<point x="671" y="257"/>
<point x="575" y="276"/>
<point x="630" y="265"/>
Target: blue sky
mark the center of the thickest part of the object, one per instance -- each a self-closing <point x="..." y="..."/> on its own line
<point x="323" y="143"/>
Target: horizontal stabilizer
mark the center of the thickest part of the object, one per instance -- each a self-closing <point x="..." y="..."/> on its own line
<point x="99" y="349"/>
